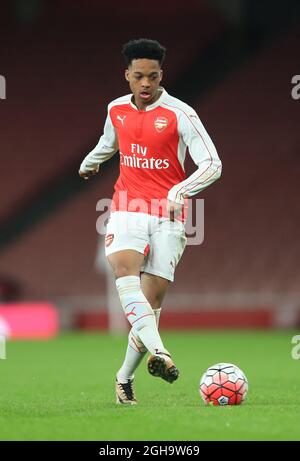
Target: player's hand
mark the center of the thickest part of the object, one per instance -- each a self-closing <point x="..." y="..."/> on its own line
<point x="88" y="174"/>
<point x="174" y="209"/>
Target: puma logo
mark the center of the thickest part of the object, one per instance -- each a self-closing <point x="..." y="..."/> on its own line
<point x="121" y="119"/>
<point x="131" y="312"/>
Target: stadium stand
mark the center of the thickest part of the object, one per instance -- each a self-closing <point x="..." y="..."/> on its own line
<point x="50" y="142"/>
<point x="252" y="217"/>
<point x="59" y="84"/>
<point x="251" y="214"/>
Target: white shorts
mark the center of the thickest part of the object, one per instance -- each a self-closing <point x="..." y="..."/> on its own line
<point x="161" y="241"/>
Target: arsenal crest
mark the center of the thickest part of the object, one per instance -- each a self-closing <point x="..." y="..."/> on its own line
<point x="160" y="123"/>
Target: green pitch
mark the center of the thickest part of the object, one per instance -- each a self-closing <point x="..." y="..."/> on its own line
<point x="64" y="390"/>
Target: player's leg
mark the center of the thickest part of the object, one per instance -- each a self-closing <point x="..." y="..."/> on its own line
<point x="126" y="243"/>
<point x="167" y="245"/>
<point x="137" y="309"/>
<point x="154" y="288"/>
<point x="144" y="333"/>
<point x="125" y="264"/>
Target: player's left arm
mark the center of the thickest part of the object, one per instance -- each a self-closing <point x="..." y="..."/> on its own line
<point x="203" y="153"/>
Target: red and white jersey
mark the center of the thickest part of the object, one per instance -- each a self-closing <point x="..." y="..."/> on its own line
<point x="152" y="146"/>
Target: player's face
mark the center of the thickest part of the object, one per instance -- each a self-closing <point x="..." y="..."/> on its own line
<point x="144" y="77"/>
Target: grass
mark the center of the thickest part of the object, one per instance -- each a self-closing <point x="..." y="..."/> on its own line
<point x="64" y="390"/>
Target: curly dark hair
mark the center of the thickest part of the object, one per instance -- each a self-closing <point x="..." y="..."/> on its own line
<point x="143" y="48"/>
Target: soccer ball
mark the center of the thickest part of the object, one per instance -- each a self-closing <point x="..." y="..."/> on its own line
<point x="223" y="384"/>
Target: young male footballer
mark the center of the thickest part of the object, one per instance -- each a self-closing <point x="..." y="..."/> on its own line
<point x="145" y="235"/>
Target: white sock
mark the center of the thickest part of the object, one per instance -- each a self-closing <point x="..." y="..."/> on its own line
<point x="139" y="313"/>
<point x="157" y="315"/>
<point x="135" y="353"/>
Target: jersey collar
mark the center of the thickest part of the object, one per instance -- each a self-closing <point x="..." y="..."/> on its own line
<point x="155" y="104"/>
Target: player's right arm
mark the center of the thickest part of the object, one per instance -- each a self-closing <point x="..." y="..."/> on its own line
<point x="104" y="150"/>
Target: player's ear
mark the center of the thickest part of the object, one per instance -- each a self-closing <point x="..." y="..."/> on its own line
<point x="161" y="75"/>
<point x="127" y="75"/>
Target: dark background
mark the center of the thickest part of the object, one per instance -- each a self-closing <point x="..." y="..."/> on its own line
<point x="233" y="61"/>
